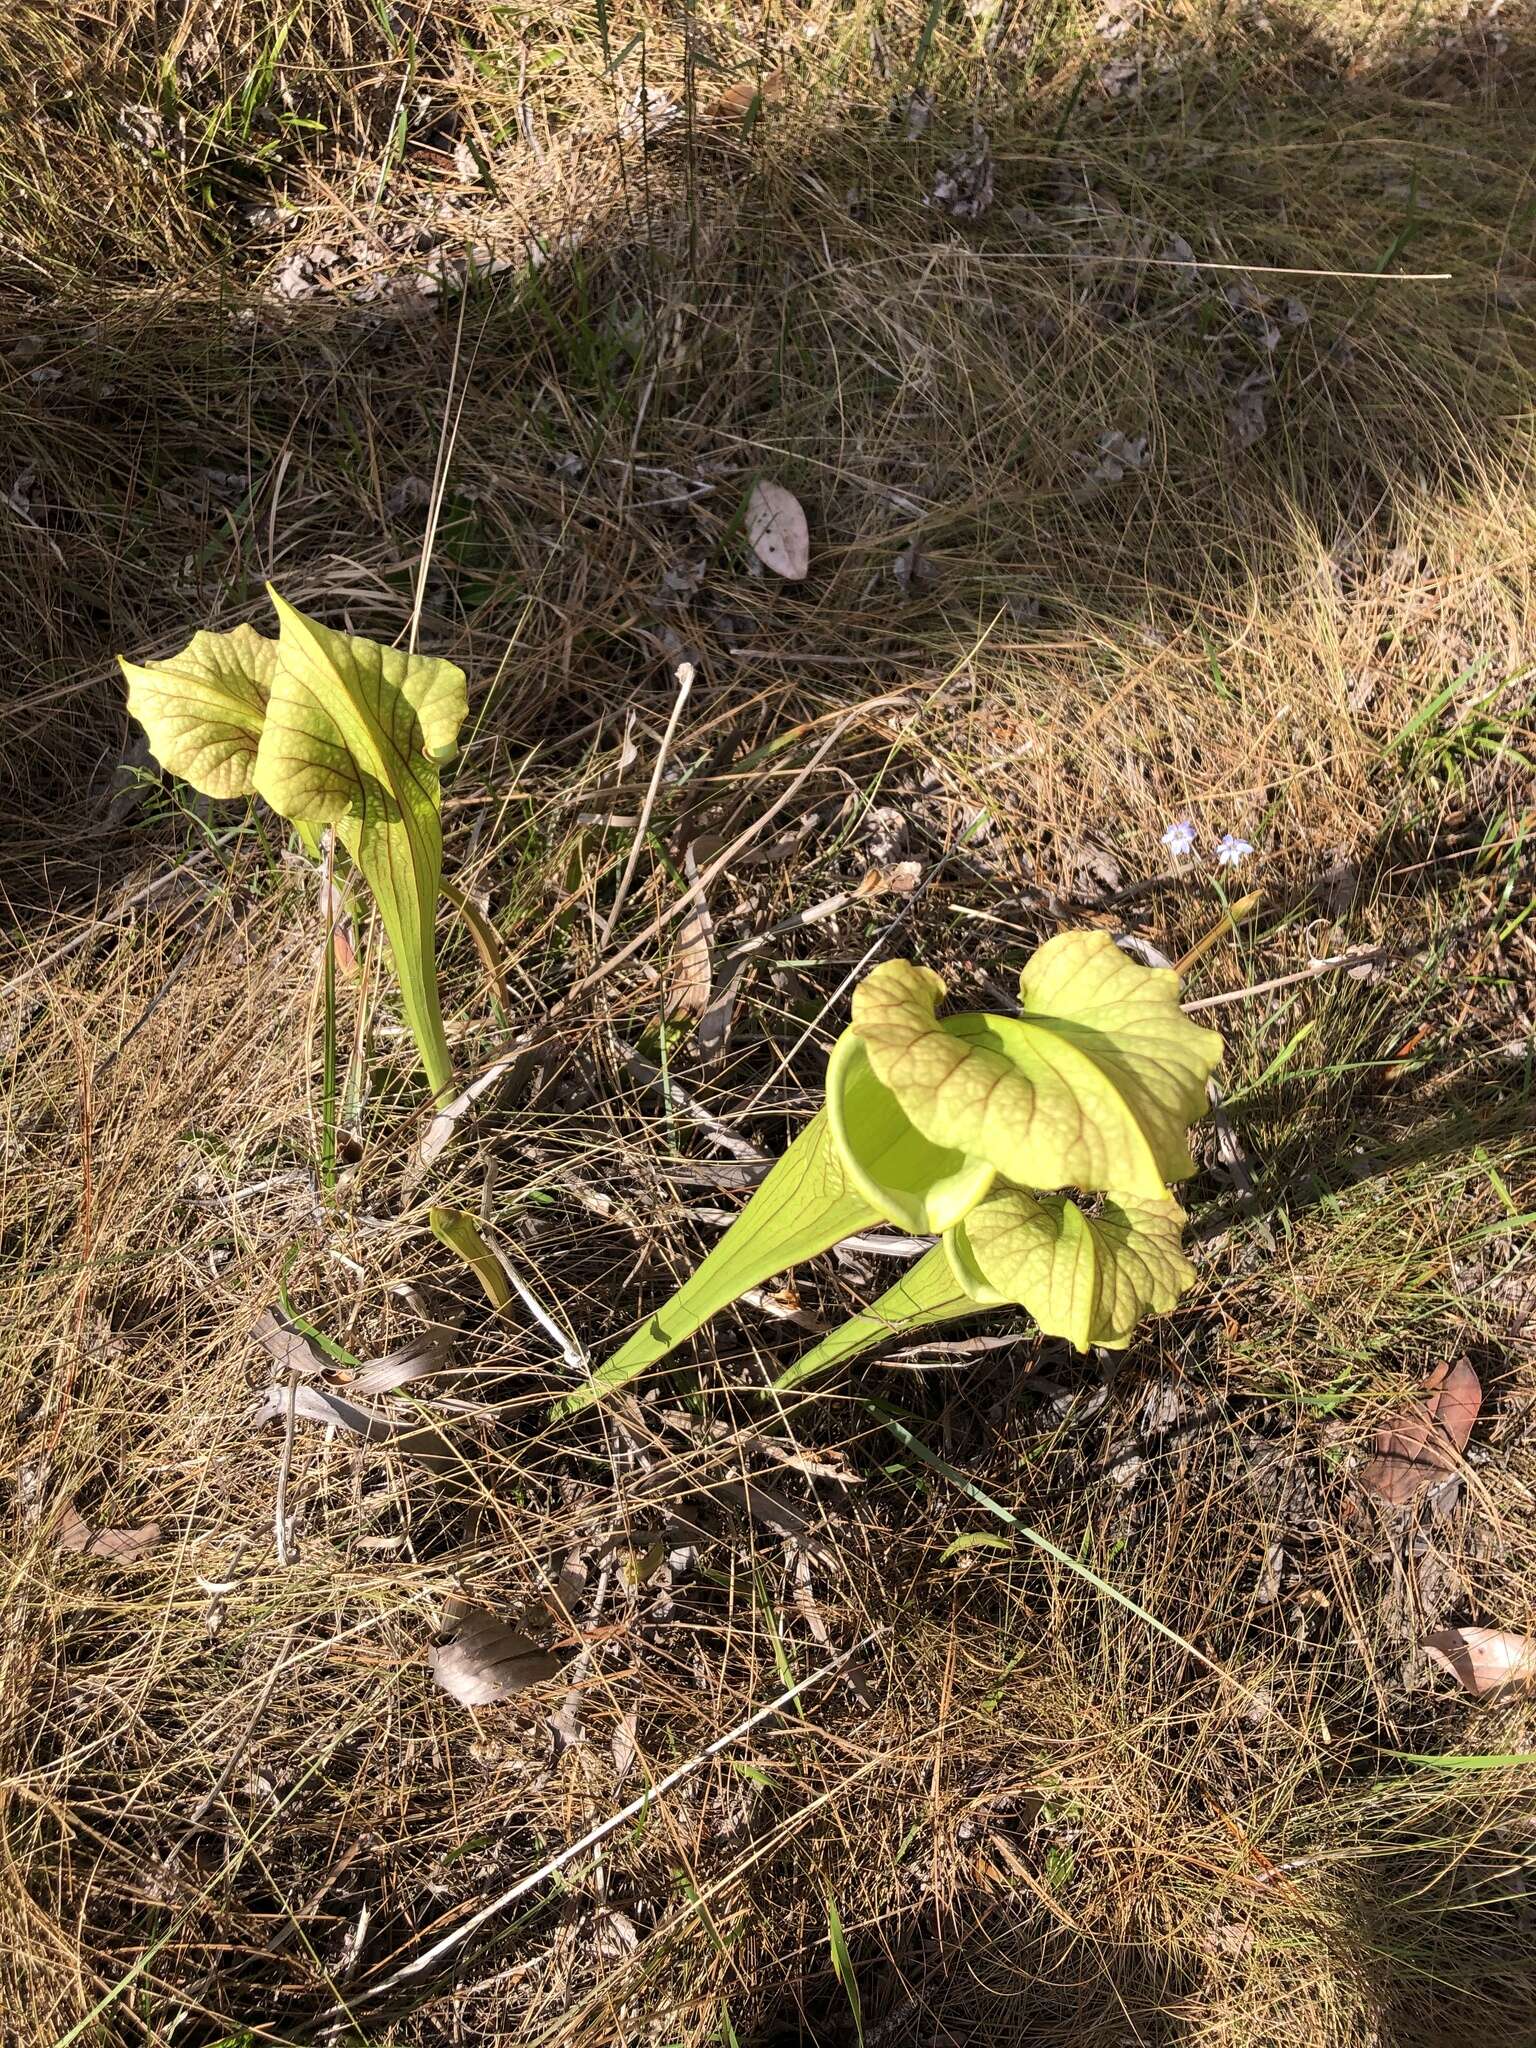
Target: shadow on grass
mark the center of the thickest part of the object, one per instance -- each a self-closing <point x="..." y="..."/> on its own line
<point x="171" y="456"/>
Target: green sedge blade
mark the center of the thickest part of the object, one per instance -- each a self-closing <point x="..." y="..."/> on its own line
<point x="927" y="1292"/>
<point x="842" y="1967"/>
<point x="805" y="1204"/>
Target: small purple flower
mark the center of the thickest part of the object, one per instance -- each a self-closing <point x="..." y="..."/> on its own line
<point x="1231" y="851"/>
<point x="1180" y="838"/>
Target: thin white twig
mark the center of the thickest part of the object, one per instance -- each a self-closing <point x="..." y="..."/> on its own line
<point x="285" y="1467"/>
<point x="564" y="1342"/>
<point x="1368" y="956"/>
<point x="684" y="685"/>
<point x="603" y="1829"/>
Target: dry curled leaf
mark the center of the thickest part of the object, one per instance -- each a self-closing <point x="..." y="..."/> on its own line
<point x="777" y="532"/>
<point x="746" y="98"/>
<point x="335" y="917"/>
<point x="488" y="1661"/>
<point x="762" y="1503"/>
<point x="689" y="977"/>
<point x="425" y="1353"/>
<point x="289" y="1349"/>
<point x="714" y="1026"/>
<point x="124" y="1545"/>
<point x="900" y="879"/>
<point x="1421" y="1444"/>
<point x="310" y="1403"/>
<point x="1483" y="1660"/>
<point x="624" y="1747"/>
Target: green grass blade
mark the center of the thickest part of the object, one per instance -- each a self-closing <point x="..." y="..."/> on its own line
<point x="1512" y="1760"/>
<point x="919" y="1450"/>
<point x="842" y="1965"/>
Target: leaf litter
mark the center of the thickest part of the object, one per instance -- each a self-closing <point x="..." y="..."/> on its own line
<point x="777" y="532"/>
<point x="123" y="1546"/>
<point x="487" y="1661"/>
<point x="689" y="976"/>
<point x="299" y="1393"/>
<point x="1484" y="1661"/>
<point x="1421" y="1444"/>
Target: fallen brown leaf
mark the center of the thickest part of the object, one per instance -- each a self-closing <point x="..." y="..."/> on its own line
<point x="736" y="102"/>
<point x="714" y="1027"/>
<point x="288" y="1347"/>
<point x="76" y="1534"/>
<point x="489" y="1661"/>
<point x="1483" y="1660"/>
<point x="777" y="532"/>
<point x="690" y="979"/>
<point x="426" y="1352"/>
<point x="1421" y="1443"/>
<point x="898" y="880"/>
<point x="762" y="1503"/>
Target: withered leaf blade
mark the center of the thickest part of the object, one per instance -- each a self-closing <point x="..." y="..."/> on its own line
<point x="336" y="919"/>
<point x="285" y="1343"/>
<point x="777" y="532"/>
<point x="123" y="1545"/>
<point x="424" y="1353"/>
<point x="690" y="978"/>
<point x="714" y="1026"/>
<point x="430" y="1447"/>
<point x="762" y="1503"/>
<point x="488" y="1660"/>
<point x="1421" y="1444"/>
<point x="1484" y="1660"/>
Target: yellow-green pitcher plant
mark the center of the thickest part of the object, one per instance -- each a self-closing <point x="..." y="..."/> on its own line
<point x="330" y="729"/>
<point x="970" y="1126"/>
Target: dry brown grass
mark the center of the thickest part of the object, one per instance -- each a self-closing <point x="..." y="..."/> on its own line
<point x="235" y="1804"/>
